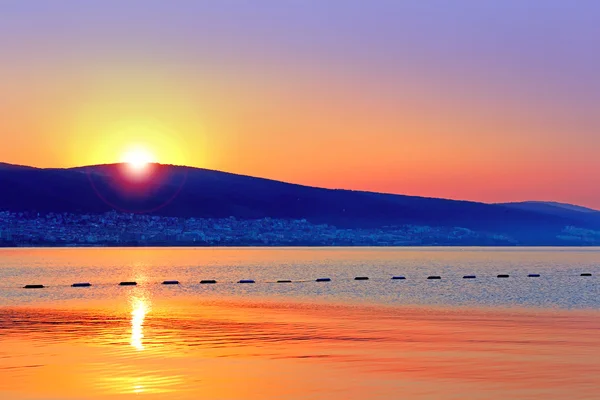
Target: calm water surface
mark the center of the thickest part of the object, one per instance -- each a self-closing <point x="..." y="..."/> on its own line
<point x="487" y="338"/>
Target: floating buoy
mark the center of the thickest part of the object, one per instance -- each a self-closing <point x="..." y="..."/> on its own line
<point x="127" y="283"/>
<point x="533" y="275"/>
<point x="503" y="276"/>
<point x="469" y="277"/>
<point x="81" y="284"/>
<point x="246" y="281"/>
<point x="361" y="278"/>
<point x="284" y="281"/>
<point x="33" y="287"/>
<point x="586" y="274"/>
<point x="398" y="277"/>
<point x="323" y="279"/>
<point x="208" y="281"/>
<point x="170" y="283"/>
<point x="434" y="277"/>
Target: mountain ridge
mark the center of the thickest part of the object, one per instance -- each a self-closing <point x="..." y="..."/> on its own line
<point x="509" y="204"/>
<point x="539" y="203"/>
<point x="524" y="203"/>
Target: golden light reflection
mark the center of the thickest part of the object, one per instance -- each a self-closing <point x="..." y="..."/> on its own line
<point x="140" y="307"/>
<point x="138" y="389"/>
<point x="138" y="380"/>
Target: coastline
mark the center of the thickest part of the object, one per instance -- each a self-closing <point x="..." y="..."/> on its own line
<point x="288" y="245"/>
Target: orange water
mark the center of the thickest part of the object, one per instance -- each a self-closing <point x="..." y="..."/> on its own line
<point x="227" y="349"/>
<point x="488" y="338"/>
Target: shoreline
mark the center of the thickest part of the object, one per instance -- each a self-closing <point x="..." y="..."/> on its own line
<point x="242" y="245"/>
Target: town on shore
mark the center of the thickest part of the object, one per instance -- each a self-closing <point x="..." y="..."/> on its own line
<point x="123" y="229"/>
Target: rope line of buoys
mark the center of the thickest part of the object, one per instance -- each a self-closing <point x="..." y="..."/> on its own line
<point x="250" y="281"/>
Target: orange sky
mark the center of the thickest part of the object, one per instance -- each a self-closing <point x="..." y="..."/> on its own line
<point x="462" y="111"/>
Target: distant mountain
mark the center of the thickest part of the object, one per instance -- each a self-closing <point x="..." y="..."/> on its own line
<point x="570" y="211"/>
<point x="193" y="192"/>
<point x="568" y="206"/>
<point x="549" y="206"/>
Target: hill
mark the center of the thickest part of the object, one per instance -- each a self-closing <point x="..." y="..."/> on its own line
<point x="193" y="192"/>
<point x="584" y="215"/>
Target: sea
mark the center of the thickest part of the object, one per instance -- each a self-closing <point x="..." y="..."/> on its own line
<point x="525" y="325"/>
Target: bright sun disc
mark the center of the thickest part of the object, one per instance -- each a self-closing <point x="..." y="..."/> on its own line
<point x="138" y="159"/>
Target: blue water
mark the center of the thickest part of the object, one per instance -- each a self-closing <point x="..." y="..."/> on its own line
<point x="559" y="286"/>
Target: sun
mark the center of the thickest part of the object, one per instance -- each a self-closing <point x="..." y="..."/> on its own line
<point x="138" y="158"/>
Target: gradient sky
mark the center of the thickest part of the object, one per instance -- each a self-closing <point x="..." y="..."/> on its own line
<point x="480" y="100"/>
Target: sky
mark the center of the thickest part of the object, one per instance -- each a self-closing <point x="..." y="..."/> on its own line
<point x="468" y="99"/>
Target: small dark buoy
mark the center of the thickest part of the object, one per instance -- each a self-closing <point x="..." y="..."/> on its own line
<point x="361" y="278"/>
<point x="284" y="281"/>
<point x="469" y="277"/>
<point x="398" y="277"/>
<point x="170" y="283"/>
<point x="246" y="281"/>
<point x="434" y="277"/>
<point x="207" y="281"/>
<point x="503" y="276"/>
<point x="586" y="274"/>
<point x="33" y="287"/>
<point x="81" y="284"/>
<point x="127" y="283"/>
<point x="323" y="279"/>
<point x="533" y="275"/>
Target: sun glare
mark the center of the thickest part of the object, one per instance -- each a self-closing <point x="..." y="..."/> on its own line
<point x="140" y="307"/>
<point x="138" y="158"/>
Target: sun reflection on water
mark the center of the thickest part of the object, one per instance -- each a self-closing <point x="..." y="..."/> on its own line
<point x="138" y="389"/>
<point x="140" y="307"/>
